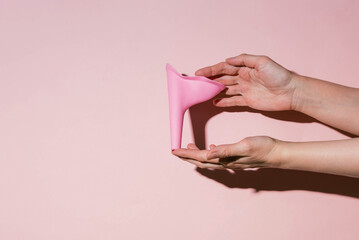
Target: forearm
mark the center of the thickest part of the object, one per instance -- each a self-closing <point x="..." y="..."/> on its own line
<point x="330" y="103"/>
<point x="339" y="157"/>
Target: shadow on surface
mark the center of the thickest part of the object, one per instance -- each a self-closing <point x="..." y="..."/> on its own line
<point x="269" y="179"/>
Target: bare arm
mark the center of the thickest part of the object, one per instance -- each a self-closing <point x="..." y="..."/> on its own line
<point x="330" y="103"/>
<point x="339" y="157"/>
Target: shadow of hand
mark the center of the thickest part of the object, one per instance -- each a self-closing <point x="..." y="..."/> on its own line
<point x="270" y="179"/>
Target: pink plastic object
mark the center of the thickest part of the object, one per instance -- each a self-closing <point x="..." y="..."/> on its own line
<point x="183" y="93"/>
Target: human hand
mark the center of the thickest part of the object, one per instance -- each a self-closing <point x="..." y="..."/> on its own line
<point x="251" y="152"/>
<point x="254" y="81"/>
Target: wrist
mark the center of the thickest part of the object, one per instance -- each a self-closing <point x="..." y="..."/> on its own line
<point x="277" y="158"/>
<point x="297" y="102"/>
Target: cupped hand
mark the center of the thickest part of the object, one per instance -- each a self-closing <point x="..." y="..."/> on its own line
<point x="251" y="152"/>
<point x="254" y="81"/>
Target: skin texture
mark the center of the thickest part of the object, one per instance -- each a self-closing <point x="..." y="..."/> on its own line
<point x="260" y="83"/>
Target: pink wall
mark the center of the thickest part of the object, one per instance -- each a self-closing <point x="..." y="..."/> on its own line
<point x="84" y="129"/>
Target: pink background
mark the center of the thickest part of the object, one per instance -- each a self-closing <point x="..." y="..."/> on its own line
<point x="84" y="125"/>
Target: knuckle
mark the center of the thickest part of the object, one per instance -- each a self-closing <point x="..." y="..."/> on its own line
<point x="222" y="64"/>
<point x="264" y="59"/>
<point x="227" y="151"/>
<point x="212" y="70"/>
<point x="247" y="144"/>
<point x="221" y="67"/>
<point x="224" y="153"/>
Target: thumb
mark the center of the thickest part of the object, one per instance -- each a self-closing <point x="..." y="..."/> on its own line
<point x="223" y="151"/>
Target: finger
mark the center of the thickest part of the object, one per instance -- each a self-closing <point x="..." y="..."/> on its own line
<point x="240" y="161"/>
<point x="199" y="155"/>
<point x="233" y="90"/>
<point x="243" y="166"/>
<point x="242" y="88"/>
<point x="212" y="146"/>
<point x="244" y="60"/>
<point x="238" y="166"/>
<point x="252" y="163"/>
<point x="206" y="165"/>
<point x="227" y="80"/>
<point x="227" y="151"/>
<point x="192" y="146"/>
<point x="229" y="102"/>
<point x="218" y="69"/>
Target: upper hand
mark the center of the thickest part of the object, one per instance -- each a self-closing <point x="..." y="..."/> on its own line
<point x="254" y="81"/>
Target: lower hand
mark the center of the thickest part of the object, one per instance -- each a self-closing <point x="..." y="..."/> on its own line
<point x="251" y="152"/>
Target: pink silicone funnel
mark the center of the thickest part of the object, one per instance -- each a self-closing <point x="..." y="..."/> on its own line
<point x="183" y="93"/>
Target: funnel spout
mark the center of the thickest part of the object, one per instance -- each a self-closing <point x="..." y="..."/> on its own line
<point x="184" y="92"/>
